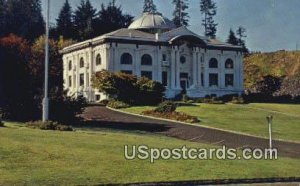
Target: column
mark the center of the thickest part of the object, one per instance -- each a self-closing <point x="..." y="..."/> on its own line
<point x="222" y="71"/>
<point x="91" y="71"/>
<point x="195" y="82"/>
<point x="173" y="67"/>
<point x="177" y="59"/>
<point x="206" y="71"/>
<point x="241" y="62"/>
<point x="137" y="63"/>
<point x="159" y="65"/>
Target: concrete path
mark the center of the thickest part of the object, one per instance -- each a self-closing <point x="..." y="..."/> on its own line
<point x="101" y="117"/>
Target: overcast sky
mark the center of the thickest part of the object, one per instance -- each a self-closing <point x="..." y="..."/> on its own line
<point x="271" y="24"/>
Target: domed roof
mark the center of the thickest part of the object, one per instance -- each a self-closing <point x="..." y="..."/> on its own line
<point x="152" y="21"/>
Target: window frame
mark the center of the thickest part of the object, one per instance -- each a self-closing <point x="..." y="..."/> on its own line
<point x="213" y="63"/>
<point x="124" y="61"/>
<point x="145" y="61"/>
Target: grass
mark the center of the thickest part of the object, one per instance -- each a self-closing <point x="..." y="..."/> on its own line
<point x="35" y="157"/>
<point x="245" y="118"/>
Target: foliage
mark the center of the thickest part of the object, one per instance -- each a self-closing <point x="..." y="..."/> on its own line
<point x="180" y="16"/>
<point x="117" y="104"/>
<point x="232" y="39"/>
<point x="166" y="107"/>
<point x="241" y="41"/>
<point x="177" y="116"/>
<point x="268" y="85"/>
<point x="49" y="125"/>
<point x="237" y="100"/>
<point x="290" y="86"/>
<point x="104" y="102"/>
<point x="23" y="18"/>
<point x="209" y="9"/>
<point x="211" y="100"/>
<point x="128" y="88"/>
<point x="64" y="22"/>
<point x="149" y="6"/>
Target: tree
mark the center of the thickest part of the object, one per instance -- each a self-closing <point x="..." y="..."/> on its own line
<point x="209" y="9"/>
<point x="2" y="17"/>
<point x="65" y="26"/>
<point x="232" y="39"/>
<point x="241" y="33"/>
<point x="180" y="16"/>
<point x="24" y="18"/>
<point x="84" y="20"/>
<point x="111" y="18"/>
<point x="149" y="6"/>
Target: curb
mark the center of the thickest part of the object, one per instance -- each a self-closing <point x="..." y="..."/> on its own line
<point x="201" y="126"/>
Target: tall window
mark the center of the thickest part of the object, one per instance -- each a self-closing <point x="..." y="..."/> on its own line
<point x="213" y="63"/>
<point x="81" y="63"/>
<point x="70" y="81"/>
<point x="98" y="60"/>
<point x="182" y="59"/>
<point x="229" y="64"/>
<point x="213" y="80"/>
<point x="146" y="60"/>
<point x="147" y="74"/>
<point x="126" y="59"/>
<point x="229" y="80"/>
<point x="165" y="78"/>
<point x="164" y="56"/>
<point x="70" y="65"/>
<point x="81" y="80"/>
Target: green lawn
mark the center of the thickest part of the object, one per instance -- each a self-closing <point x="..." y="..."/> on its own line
<point x="35" y="157"/>
<point x="245" y="118"/>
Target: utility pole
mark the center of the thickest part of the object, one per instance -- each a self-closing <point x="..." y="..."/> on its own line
<point x="46" y="99"/>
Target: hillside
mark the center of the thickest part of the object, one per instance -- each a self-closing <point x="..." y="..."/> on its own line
<point x="277" y="64"/>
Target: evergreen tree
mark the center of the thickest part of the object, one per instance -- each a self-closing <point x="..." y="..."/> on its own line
<point x="180" y="16"/>
<point x="149" y="6"/>
<point x="2" y="17"/>
<point x="24" y="18"/>
<point x="241" y="33"/>
<point x="84" y="20"/>
<point x="232" y="39"/>
<point x="209" y="9"/>
<point x="65" y="25"/>
<point x="112" y="18"/>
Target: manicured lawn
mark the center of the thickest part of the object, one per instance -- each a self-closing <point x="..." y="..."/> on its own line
<point x="244" y="119"/>
<point x="35" y="157"/>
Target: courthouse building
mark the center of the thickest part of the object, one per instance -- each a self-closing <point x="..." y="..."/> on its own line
<point x="153" y="47"/>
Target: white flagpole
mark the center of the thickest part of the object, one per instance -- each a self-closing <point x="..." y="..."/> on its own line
<point x="46" y="99"/>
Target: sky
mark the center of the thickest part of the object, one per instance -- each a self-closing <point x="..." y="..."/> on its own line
<point x="271" y="24"/>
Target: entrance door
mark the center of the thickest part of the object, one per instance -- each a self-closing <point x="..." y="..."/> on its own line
<point x="183" y="84"/>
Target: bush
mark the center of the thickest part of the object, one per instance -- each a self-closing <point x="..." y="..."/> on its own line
<point x="166" y="107"/>
<point x="104" y="102"/>
<point x="177" y="116"/>
<point x="49" y="125"/>
<point x="211" y="100"/>
<point x="1" y="124"/>
<point x="237" y="100"/>
<point x="117" y="104"/>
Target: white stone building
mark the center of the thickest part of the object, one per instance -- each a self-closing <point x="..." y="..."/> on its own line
<point x="153" y="47"/>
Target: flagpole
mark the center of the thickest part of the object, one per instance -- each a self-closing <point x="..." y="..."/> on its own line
<point x="46" y="99"/>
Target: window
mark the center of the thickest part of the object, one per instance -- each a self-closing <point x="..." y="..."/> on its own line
<point x="126" y="71"/>
<point x="213" y="63"/>
<point x="146" y="60"/>
<point x="98" y="97"/>
<point x="87" y="79"/>
<point x="213" y="80"/>
<point x="98" y="60"/>
<point x="81" y="63"/>
<point x="202" y="79"/>
<point x="164" y="56"/>
<point x="182" y="59"/>
<point x="165" y="78"/>
<point x="229" y="64"/>
<point x="81" y="80"/>
<point x="229" y="80"/>
<point x="70" y="65"/>
<point x="126" y="59"/>
<point x="147" y="74"/>
<point x="70" y="81"/>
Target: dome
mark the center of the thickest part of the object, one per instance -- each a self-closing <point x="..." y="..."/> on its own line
<point x="152" y="21"/>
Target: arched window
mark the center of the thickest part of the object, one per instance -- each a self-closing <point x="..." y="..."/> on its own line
<point x="70" y="65"/>
<point x="182" y="59"/>
<point x="229" y="64"/>
<point x="126" y="59"/>
<point x="98" y="60"/>
<point x="146" y="60"/>
<point x="81" y="63"/>
<point x="213" y="63"/>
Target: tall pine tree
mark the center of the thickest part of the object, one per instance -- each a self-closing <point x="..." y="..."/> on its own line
<point x="180" y="16"/>
<point x="232" y="39"/>
<point x="241" y="34"/>
<point x="65" y="26"/>
<point x="209" y="9"/>
<point x="149" y="6"/>
<point x="84" y="20"/>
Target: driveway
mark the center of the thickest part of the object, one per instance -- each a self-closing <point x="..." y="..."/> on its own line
<point x="101" y="117"/>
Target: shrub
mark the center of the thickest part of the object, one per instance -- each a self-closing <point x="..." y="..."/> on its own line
<point x="212" y="100"/>
<point x="166" y="107"/>
<point x="117" y="104"/>
<point x="185" y="98"/>
<point x="104" y="102"/>
<point x="237" y="100"/>
<point x="1" y="123"/>
<point x="49" y="125"/>
<point x="177" y="116"/>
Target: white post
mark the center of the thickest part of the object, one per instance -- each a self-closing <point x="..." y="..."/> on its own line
<point x="46" y="99"/>
<point x="269" y="119"/>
